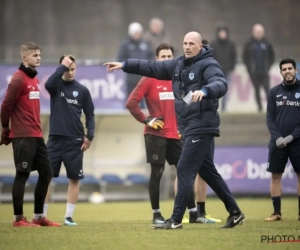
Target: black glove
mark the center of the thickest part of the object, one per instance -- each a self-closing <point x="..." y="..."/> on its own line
<point x="5" y="136"/>
<point x="155" y="123"/>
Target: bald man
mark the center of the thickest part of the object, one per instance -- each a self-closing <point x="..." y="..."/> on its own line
<point x="258" y="57"/>
<point x="198" y="83"/>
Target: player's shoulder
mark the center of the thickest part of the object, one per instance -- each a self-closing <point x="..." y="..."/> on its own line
<point x="276" y="88"/>
<point x="83" y="89"/>
<point x="155" y="82"/>
<point x="80" y="86"/>
<point x="18" y="76"/>
<point x="146" y="80"/>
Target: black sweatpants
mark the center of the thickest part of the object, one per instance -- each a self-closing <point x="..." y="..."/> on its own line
<point x="197" y="156"/>
<point x="258" y="81"/>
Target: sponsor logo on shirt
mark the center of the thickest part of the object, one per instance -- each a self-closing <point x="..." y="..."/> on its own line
<point x="166" y="96"/>
<point x="34" y="95"/>
<point x="288" y="103"/>
<point x="71" y="101"/>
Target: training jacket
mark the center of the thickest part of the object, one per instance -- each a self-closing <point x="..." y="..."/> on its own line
<point x="68" y="100"/>
<point x="283" y="111"/>
<point x="201" y="72"/>
<point x="21" y="104"/>
<point x="160" y="103"/>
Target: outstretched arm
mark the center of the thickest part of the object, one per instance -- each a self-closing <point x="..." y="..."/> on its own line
<point x="161" y="70"/>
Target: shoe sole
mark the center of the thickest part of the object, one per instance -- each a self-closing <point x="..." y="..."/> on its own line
<point x="157" y="228"/>
<point x="70" y="225"/>
<point x="27" y="226"/>
<point x="241" y="222"/>
<point x="272" y="220"/>
<point x="158" y="222"/>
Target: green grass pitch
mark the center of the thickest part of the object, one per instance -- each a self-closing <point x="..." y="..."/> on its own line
<point x="127" y="225"/>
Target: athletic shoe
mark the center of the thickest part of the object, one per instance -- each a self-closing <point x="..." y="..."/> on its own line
<point x="24" y="223"/>
<point x="69" y="222"/>
<point x="185" y="220"/>
<point x="208" y="217"/>
<point x="168" y="224"/>
<point x="44" y="222"/>
<point x="234" y="220"/>
<point x="195" y="217"/>
<point x="299" y="217"/>
<point x="158" y="218"/>
<point x="274" y="217"/>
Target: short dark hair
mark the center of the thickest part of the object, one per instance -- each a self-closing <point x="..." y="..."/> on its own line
<point x="287" y="60"/>
<point x="204" y="42"/>
<point x="29" y="46"/>
<point x="70" y="56"/>
<point x="164" y="46"/>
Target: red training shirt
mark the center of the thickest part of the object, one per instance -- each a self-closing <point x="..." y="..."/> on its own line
<point x="21" y="105"/>
<point x="160" y="102"/>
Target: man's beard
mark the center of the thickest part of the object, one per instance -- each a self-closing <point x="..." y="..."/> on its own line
<point x="290" y="81"/>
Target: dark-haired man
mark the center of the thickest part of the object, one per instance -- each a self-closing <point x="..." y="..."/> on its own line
<point x="283" y="121"/>
<point x="67" y="140"/>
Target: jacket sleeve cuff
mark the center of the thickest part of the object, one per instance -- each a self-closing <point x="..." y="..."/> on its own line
<point x="204" y="91"/>
<point x="89" y="137"/>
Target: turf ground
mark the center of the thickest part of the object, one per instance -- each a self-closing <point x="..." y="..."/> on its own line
<point x="128" y="226"/>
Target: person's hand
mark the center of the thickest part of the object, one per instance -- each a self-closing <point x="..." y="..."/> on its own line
<point x="5" y="136"/>
<point x="86" y="144"/>
<point x="288" y="139"/>
<point x="111" y="66"/>
<point x="67" y="62"/>
<point x="179" y="135"/>
<point x="280" y="142"/>
<point x="197" y="95"/>
<point x="155" y="123"/>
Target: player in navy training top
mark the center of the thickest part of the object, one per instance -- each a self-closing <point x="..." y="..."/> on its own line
<point x="67" y="140"/>
<point x="283" y="121"/>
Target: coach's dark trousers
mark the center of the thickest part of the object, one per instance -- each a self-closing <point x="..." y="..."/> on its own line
<point x="197" y="156"/>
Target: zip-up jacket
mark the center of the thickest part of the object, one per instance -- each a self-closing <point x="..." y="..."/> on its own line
<point x="201" y="72"/>
<point x="283" y="111"/>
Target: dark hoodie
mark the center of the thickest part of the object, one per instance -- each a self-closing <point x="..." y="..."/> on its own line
<point x="134" y="49"/>
<point x="224" y="51"/>
<point x="258" y="56"/>
<point x="189" y="74"/>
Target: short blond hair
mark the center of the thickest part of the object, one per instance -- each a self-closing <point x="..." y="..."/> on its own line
<point x="29" y="46"/>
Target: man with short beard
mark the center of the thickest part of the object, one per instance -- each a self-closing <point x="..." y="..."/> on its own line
<point x="283" y="116"/>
